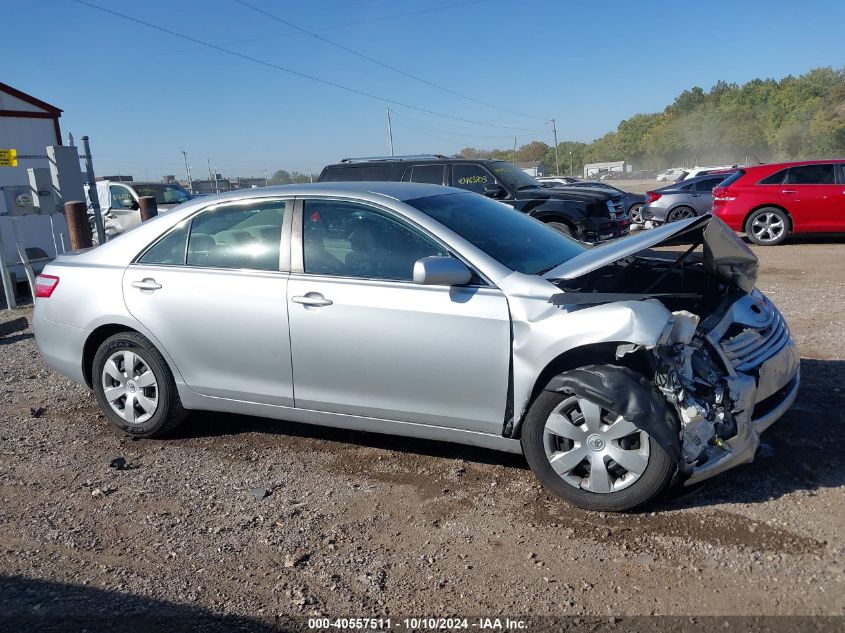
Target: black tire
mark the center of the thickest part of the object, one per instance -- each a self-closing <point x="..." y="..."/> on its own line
<point x="653" y="481"/>
<point x="560" y="227"/>
<point x="681" y="213"/>
<point x="169" y="412"/>
<point x="778" y="219"/>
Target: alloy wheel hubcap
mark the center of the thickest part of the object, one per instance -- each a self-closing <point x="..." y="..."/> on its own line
<point x="767" y="227"/>
<point x="637" y="214"/>
<point x="593" y="449"/>
<point x="682" y="214"/>
<point x="130" y="386"/>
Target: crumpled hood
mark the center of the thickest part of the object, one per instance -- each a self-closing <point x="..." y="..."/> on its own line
<point x="725" y="254"/>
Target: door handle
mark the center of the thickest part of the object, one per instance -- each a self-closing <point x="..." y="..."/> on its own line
<point x="312" y="299"/>
<point x="146" y="284"/>
<point x="788" y="191"/>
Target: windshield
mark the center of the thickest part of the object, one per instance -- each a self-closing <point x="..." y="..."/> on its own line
<point x="510" y="237"/>
<point x="163" y="193"/>
<point x="511" y="175"/>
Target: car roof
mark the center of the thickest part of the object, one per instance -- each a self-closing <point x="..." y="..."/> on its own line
<point x="397" y="190"/>
<point x="794" y="163"/>
<point x="684" y="183"/>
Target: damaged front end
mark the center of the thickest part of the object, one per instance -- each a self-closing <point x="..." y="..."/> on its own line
<point x="728" y="379"/>
<point x="725" y="361"/>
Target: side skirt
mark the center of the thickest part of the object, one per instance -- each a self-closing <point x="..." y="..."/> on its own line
<point x="195" y="401"/>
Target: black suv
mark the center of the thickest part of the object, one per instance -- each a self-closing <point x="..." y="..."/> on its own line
<point x="590" y="216"/>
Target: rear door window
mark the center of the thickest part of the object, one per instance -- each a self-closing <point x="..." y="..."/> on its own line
<point x="810" y="175"/>
<point x="360" y="173"/>
<point x="432" y="174"/>
<point x="238" y="236"/>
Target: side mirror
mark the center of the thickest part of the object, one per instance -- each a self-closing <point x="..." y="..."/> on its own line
<point x="441" y="271"/>
<point x="495" y="191"/>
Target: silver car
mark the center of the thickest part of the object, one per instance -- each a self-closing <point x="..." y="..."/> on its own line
<point x="681" y="200"/>
<point x="431" y="312"/>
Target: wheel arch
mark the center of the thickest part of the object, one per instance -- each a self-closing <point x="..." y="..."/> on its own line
<point x="93" y="342"/>
<point x="603" y="352"/>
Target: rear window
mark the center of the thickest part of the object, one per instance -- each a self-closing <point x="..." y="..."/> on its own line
<point x="732" y="178"/>
<point x="360" y="173"/>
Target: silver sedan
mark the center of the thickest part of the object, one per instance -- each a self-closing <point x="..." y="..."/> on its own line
<point x="431" y="312"/>
<point x="681" y="200"/>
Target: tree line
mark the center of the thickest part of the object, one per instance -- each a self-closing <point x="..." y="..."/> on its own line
<point x="759" y="121"/>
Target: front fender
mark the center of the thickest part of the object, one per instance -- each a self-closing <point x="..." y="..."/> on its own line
<point x="542" y="331"/>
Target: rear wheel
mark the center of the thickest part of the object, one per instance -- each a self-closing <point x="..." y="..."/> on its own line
<point x="681" y="213"/>
<point x="134" y="386"/>
<point x="767" y="226"/>
<point x="591" y="457"/>
<point x="636" y="214"/>
<point x="561" y="228"/>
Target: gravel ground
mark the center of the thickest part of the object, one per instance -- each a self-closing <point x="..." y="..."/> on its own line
<point x="356" y="524"/>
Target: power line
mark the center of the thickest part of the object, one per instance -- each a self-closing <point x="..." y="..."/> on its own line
<point x="366" y="21"/>
<point x="289" y="70"/>
<point x="382" y="64"/>
<point x="427" y="125"/>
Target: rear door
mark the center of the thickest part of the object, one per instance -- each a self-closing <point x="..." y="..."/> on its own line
<point x="813" y="198"/>
<point x="213" y="293"/>
<point x="701" y="195"/>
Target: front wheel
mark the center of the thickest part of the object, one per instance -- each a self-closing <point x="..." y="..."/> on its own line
<point x="767" y="226"/>
<point x="560" y="227"/>
<point x="592" y="457"/>
<point x="134" y="386"/>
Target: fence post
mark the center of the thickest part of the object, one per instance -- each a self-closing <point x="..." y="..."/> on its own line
<point x="149" y="207"/>
<point x="76" y="213"/>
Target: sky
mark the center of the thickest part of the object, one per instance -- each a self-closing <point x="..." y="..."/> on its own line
<point x="143" y="95"/>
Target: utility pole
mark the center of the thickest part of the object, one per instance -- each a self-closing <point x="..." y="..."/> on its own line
<point x="513" y="156"/>
<point x="390" y="132"/>
<point x="92" y="191"/>
<point x="212" y="177"/>
<point x="557" y="158"/>
<point x="265" y="175"/>
<point x="188" y="172"/>
<point x="571" y="168"/>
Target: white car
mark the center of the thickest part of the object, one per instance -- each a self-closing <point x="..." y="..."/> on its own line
<point x="119" y="202"/>
<point x="670" y="175"/>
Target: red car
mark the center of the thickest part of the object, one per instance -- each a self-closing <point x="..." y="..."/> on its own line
<point x="770" y="202"/>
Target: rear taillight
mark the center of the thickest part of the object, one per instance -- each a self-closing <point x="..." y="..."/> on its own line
<point x="723" y="194"/>
<point x="652" y="196"/>
<point x="45" y="285"/>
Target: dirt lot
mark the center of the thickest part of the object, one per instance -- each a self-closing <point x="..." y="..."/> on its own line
<point x="360" y="524"/>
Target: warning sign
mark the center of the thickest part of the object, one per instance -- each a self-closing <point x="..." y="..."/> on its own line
<point x="8" y="158"/>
